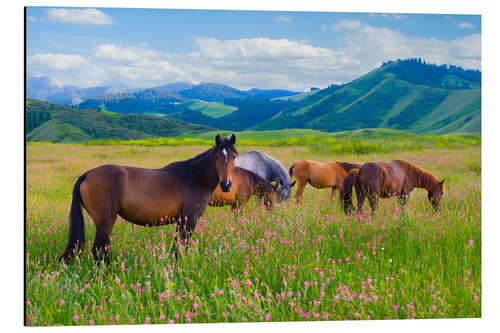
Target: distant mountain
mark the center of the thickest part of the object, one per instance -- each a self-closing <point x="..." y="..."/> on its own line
<point x="212" y="92"/>
<point x="174" y="87"/>
<point x="403" y="94"/>
<point x="144" y="101"/>
<point x="165" y="99"/>
<point x="41" y="87"/>
<point x="60" y="123"/>
<point x="215" y="92"/>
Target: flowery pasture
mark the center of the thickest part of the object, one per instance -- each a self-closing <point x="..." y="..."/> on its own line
<point x="297" y="262"/>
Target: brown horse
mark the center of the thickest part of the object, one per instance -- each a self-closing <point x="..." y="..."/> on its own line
<point x="245" y="183"/>
<point x="320" y="175"/>
<point x="385" y="180"/>
<point x="177" y="193"/>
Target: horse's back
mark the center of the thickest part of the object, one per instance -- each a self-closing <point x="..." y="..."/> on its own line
<point x="251" y="161"/>
<point x="382" y="176"/>
<point x="103" y="179"/>
<point x="372" y="175"/>
<point x="263" y="165"/>
<point x="317" y="174"/>
<point x="142" y="196"/>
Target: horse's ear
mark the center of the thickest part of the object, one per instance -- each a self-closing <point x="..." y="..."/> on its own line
<point x="291" y="185"/>
<point x="232" y="139"/>
<point x="442" y="182"/>
<point x="217" y="139"/>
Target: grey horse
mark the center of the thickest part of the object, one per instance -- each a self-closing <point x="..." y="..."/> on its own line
<point x="268" y="168"/>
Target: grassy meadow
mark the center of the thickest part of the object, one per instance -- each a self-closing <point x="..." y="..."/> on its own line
<point x="297" y="262"/>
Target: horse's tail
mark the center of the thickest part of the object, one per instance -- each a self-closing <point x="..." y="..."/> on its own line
<point x="76" y="236"/>
<point x="349" y="166"/>
<point x="346" y="193"/>
<point x="290" y="171"/>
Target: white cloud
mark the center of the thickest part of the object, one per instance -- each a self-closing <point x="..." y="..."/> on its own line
<point x="283" y="19"/>
<point x="65" y="69"/>
<point x="257" y="62"/>
<point x="119" y="53"/>
<point x="258" y="48"/>
<point x="57" y="61"/>
<point x="371" y="46"/>
<point x="89" y="16"/>
<point x="32" y="18"/>
<point x="466" y="25"/>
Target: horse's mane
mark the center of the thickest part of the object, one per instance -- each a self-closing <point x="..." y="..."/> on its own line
<point x="182" y="168"/>
<point x="349" y="166"/>
<point x="420" y="177"/>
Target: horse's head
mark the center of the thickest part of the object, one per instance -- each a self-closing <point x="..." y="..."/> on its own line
<point x="284" y="191"/>
<point x="435" y="195"/>
<point x="224" y="155"/>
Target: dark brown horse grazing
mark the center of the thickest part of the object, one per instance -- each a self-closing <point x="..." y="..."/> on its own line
<point x="320" y="175"/>
<point x="245" y="183"/>
<point x="177" y="193"/>
<point x="395" y="178"/>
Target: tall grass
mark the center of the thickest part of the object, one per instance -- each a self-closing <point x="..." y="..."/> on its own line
<point x="297" y="262"/>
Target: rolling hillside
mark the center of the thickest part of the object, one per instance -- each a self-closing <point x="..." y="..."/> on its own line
<point x="435" y="102"/>
<point x="212" y="109"/>
<point x="58" y="123"/>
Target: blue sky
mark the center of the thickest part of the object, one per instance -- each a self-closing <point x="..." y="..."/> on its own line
<point x="291" y="50"/>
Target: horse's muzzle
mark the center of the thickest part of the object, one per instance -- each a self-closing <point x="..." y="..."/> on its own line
<point x="225" y="186"/>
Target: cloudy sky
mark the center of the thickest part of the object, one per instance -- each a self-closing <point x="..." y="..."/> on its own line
<point x="87" y="47"/>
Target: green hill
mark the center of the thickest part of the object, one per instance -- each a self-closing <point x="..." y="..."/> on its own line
<point x="59" y="123"/>
<point x="56" y="131"/>
<point x="212" y="109"/>
<point x="391" y="97"/>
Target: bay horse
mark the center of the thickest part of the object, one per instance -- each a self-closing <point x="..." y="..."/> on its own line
<point x="245" y="183"/>
<point x="177" y="193"/>
<point x="269" y="168"/>
<point x="320" y="175"/>
<point x="389" y="179"/>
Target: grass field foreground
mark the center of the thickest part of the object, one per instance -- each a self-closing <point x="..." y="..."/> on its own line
<point x="298" y="262"/>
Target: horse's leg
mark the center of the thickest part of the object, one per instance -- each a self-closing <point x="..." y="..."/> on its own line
<point x="175" y="246"/>
<point x="184" y="230"/>
<point x="101" y="247"/>
<point x="373" y="199"/>
<point x="103" y="212"/>
<point x="333" y="192"/>
<point x="187" y="230"/>
<point x="403" y="198"/>
<point x="360" y="196"/>
<point x="300" y="191"/>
